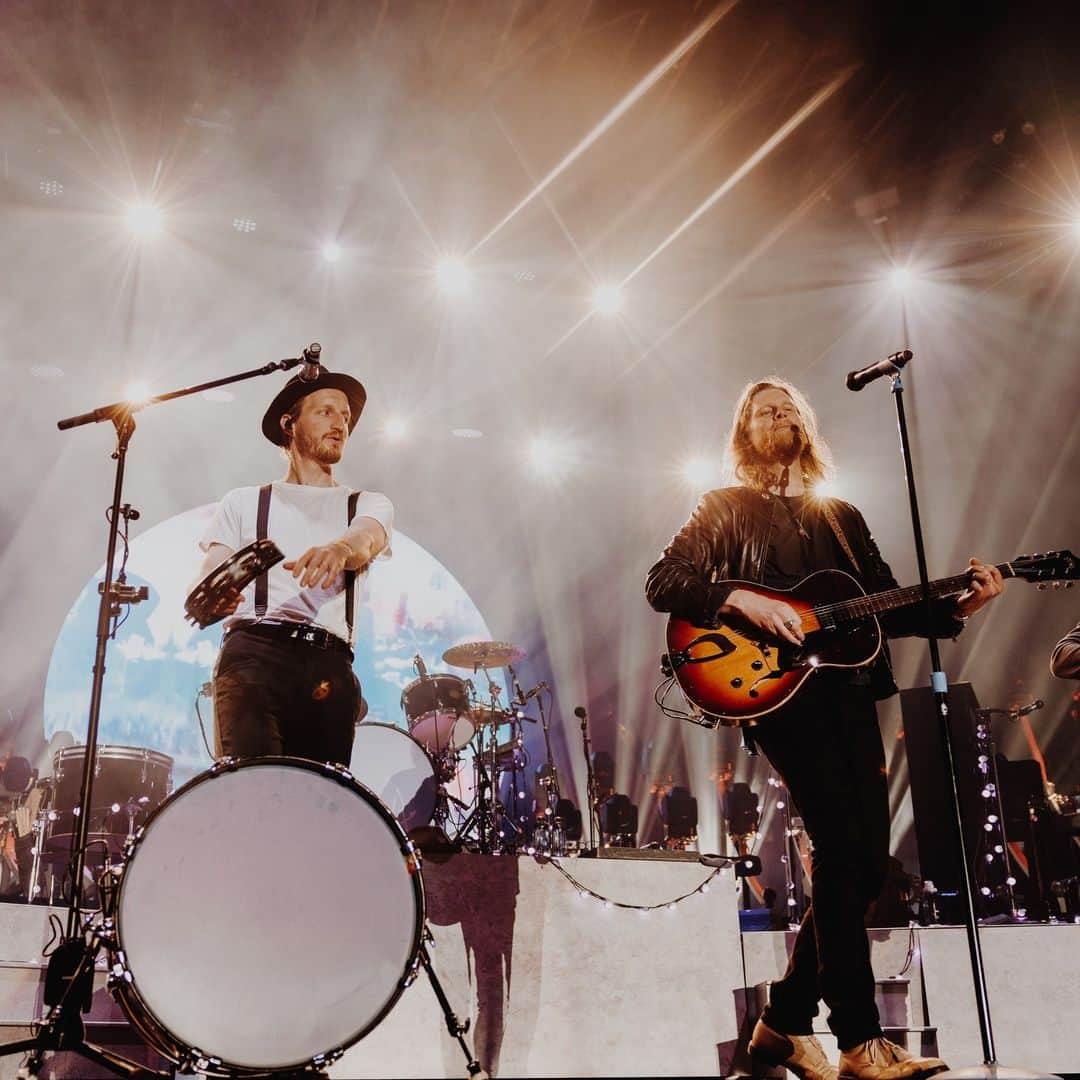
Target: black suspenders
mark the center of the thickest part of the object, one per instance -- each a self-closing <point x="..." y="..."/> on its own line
<point x="350" y="575"/>
<point x="262" y="586"/>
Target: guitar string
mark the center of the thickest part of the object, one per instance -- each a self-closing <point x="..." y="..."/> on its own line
<point x="881" y="600"/>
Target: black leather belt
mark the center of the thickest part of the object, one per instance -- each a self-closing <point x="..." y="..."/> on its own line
<point x="283" y="630"/>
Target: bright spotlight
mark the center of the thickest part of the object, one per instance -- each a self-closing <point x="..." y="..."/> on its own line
<point x="1076" y="226"/>
<point x="699" y="472"/>
<point x="331" y="251"/>
<point x="608" y="299"/>
<point x="549" y="458"/>
<point x="452" y="275"/>
<point x="395" y="429"/>
<point x="135" y="393"/>
<point x="901" y="278"/>
<point x="143" y="218"/>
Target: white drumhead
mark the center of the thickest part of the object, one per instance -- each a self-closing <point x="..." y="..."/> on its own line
<point x="394" y="765"/>
<point x="268" y="914"/>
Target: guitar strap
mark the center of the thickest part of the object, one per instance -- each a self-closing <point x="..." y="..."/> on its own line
<point x="830" y="517"/>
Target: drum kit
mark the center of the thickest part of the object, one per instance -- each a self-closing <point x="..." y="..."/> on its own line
<point x="442" y="779"/>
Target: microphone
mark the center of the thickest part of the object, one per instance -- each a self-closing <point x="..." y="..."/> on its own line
<point x="1025" y="709"/>
<point x="310" y="365"/>
<point x="856" y="380"/>
<point x="579" y="712"/>
<point x="420" y="666"/>
<point x="522" y="697"/>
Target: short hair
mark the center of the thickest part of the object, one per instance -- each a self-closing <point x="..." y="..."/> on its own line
<point x="743" y="463"/>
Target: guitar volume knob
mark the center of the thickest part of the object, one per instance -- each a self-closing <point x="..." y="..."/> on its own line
<point x="737" y="682"/>
<point x="757" y="665"/>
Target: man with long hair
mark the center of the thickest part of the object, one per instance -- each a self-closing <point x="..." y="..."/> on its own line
<point x="825" y="743"/>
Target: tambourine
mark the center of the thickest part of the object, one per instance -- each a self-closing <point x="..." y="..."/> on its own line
<point x="236" y="573"/>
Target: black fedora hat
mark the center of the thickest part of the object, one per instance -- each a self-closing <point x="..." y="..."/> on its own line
<point x="296" y="388"/>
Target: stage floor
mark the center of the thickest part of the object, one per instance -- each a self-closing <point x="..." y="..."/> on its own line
<point x="557" y="983"/>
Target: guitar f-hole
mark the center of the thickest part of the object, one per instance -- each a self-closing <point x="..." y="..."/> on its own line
<point x="723" y="645"/>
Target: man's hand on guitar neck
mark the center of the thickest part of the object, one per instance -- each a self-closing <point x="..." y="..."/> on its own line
<point x="986" y="583"/>
<point x="775" y="617"/>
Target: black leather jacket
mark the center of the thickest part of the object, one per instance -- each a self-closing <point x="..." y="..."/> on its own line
<point x="728" y="536"/>
<point x="1065" y="661"/>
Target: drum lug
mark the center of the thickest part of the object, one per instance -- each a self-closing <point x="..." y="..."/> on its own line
<point x="195" y="1061"/>
<point x="411" y="974"/>
<point x="225" y="764"/>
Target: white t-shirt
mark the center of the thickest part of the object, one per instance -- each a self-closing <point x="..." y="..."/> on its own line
<point x="301" y="516"/>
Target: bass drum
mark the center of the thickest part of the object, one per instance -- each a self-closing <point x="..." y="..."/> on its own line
<point x="398" y="769"/>
<point x="269" y="916"/>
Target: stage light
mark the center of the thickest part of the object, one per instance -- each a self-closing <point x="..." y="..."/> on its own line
<point x="51" y="188"/>
<point x="243" y="224"/>
<point x="548" y="457"/>
<point x="467" y="433"/>
<point x="452" y="275"/>
<point x="607" y="299"/>
<point x="1076" y="226"/>
<point x="395" y="429"/>
<point x="143" y="218"/>
<point x="901" y="278"/>
<point x="699" y="472"/>
<point x="331" y="251"/>
<point x="135" y="393"/>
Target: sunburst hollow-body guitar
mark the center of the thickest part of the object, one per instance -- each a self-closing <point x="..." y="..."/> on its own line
<point x="735" y="673"/>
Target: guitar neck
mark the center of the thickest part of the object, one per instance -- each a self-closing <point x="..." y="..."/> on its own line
<point x="862" y="606"/>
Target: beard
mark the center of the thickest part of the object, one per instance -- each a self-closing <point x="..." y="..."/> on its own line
<point x="323" y="450"/>
<point x="780" y="445"/>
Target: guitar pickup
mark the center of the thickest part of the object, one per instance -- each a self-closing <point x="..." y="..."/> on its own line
<point x="680" y="657"/>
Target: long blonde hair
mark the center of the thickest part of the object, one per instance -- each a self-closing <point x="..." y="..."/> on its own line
<point x="743" y="464"/>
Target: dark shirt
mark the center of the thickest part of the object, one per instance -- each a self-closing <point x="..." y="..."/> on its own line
<point x="801" y="542"/>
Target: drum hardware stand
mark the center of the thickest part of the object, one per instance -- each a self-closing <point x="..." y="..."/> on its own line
<point x="457" y="1029"/>
<point x="590" y="785"/>
<point x="70" y="972"/>
<point x="554" y="833"/>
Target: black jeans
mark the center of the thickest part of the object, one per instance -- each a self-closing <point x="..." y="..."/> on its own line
<point x="827" y="748"/>
<point x="276" y="697"/>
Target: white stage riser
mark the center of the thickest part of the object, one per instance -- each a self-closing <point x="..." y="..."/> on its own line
<point x="558" y="985"/>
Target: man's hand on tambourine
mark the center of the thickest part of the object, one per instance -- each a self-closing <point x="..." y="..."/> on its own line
<point x="225" y="604"/>
<point x="320" y="566"/>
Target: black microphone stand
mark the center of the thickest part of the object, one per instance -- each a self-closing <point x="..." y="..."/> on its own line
<point x="590" y="783"/>
<point x="69" y="977"/>
<point x="939" y="684"/>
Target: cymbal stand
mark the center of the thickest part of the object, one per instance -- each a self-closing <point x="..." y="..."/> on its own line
<point x="552" y="834"/>
<point x="483" y="816"/>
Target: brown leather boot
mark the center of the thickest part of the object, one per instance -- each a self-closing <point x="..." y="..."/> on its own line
<point x="801" y="1054"/>
<point x="880" y="1059"/>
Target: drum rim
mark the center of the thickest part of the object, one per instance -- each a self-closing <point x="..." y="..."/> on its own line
<point x="147" y="1021"/>
<point x="143" y="753"/>
<point x="433" y="676"/>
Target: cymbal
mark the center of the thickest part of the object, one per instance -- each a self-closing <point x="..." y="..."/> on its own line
<point x="481" y="715"/>
<point x="483" y="654"/>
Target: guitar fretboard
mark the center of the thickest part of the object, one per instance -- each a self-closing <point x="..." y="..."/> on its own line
<point x="862" y="606"/>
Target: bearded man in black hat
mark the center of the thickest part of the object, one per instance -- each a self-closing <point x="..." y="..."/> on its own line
<point x="284" y="683"/>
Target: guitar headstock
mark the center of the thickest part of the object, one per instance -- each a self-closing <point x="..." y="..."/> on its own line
<point x="1053" y="566"/>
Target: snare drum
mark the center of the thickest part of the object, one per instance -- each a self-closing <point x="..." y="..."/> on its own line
<point x="436" y="708"/>
<point x="129" y="783"/>
<point x="269" y="916"/>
